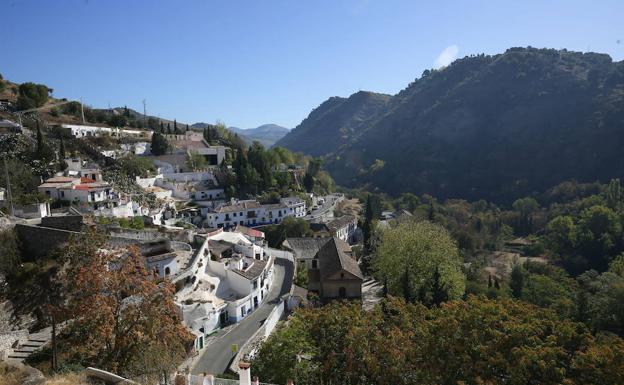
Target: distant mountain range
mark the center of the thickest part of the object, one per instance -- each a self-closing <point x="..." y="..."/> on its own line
<point x="267" y="134"/>
<point x="485" y="127"/>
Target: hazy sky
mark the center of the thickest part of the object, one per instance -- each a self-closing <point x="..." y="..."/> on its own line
<point x="254" y="62"/>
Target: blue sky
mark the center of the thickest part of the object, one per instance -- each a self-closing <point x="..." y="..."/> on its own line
<point x="254" y="62"/>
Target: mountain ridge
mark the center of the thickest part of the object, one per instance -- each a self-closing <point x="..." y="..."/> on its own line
<point x="486" y="127"/>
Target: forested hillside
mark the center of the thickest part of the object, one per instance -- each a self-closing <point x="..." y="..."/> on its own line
<point x="334" y="123"/>
<point x="493" y="127"/>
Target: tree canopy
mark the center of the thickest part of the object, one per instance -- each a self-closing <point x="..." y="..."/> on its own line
<point x="477" y="341"/>
<point x="410" y="255"/>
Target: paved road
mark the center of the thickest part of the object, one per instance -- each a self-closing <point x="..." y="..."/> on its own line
<point x="216" y="357"/>
<point x="326" y="209"/>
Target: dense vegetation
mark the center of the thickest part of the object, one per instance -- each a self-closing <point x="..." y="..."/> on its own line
<point x="476" y="341"/>
<point x="486" y="127"/>
<point x="273" y="173"/>
<point x="458" y="311"/>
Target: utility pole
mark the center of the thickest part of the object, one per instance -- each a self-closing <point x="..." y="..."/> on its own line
<point x="144" y="113"/>
<point x="82" y="110"/>
<point x="8" y="184"/>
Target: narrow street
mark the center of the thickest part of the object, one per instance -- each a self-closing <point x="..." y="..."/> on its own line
<point x="216" y="357"/>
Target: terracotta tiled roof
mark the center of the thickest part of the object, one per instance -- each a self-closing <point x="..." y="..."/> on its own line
<point x="249" y="231"/>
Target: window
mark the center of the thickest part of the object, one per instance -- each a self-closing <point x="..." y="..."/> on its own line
<point x="255" y="284"/>
<point x="342" y="292"/>
<point x="315" y="264"/>
<point x="167" y="270"/>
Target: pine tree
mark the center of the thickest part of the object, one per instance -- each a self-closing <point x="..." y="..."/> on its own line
<point x="187" y="128"/>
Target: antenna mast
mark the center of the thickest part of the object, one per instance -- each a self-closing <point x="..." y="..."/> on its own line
<point x="82" y="110"/>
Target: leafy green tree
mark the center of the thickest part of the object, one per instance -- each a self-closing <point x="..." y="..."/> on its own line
<point x="600" y="231"/>
<point x="159" y="145"/>
<point x="152" y="124"/>
<point x="118" y="120"/>
<point x="413" y="251"/>
<point x="133" y="166"/>
<point x="613" y="194"/>
<point x="31" y="95"/>
<point x="604" y="301"/>
<point x="525" y="208"/>
<point x="195" y="161"/>
<point x="616" y="266"/>
<point x="289" y="228"/>
<point x="561" y="234"/>
<point x="260" y="161"/>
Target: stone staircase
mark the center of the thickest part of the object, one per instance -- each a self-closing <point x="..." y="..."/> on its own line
<point x="35" y="342"/>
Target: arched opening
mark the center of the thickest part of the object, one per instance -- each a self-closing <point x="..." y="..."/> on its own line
<point x="167" y="270"/>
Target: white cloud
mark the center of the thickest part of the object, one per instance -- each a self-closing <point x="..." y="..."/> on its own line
<point x="446" y="57"/>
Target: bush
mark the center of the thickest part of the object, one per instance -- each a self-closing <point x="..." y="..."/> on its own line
<point x="137" y="223"/>
<point x="31" y="95"/>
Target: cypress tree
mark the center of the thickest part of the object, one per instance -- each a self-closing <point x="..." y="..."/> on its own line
<point x="431" y="214"/>
<point x="439" y="292"/>
<point x="62" y="149"/>
<point x="490" y="280"/>
<point x="39" y="140"/>
<point x="516" y="282"/>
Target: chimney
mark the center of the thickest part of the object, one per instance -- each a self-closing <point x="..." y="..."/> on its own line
<point x="244" y="373"/>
